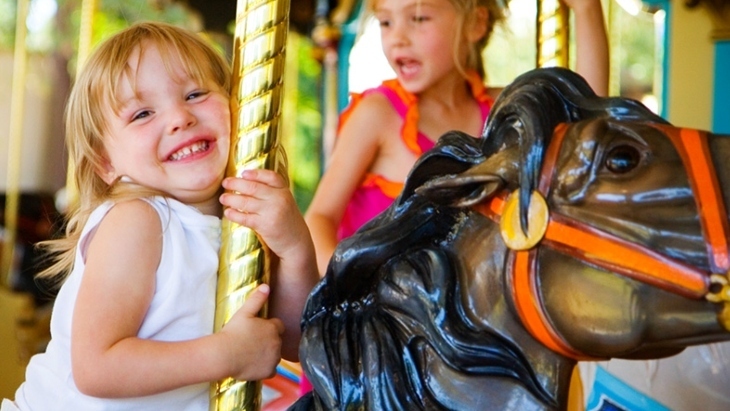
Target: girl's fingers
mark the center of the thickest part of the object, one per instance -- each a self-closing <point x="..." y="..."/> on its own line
<point x="249" y="178"/>
<point x="242" y="203"/>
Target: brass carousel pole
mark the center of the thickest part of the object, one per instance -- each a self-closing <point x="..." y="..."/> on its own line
<point x="256" y="101"/>
<point x="86" y="25"/>
<point x="17" y="102"/>
<point x="553" y="33"/>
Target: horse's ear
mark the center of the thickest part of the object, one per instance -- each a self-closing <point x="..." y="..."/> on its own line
<point x="462" y="190"/>
<point x="455" y="153"/>
<point x="475" y="184"/>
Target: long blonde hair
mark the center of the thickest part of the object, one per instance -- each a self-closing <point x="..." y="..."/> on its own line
<point x="467" y="10"/>
<point x="94" y="92"/>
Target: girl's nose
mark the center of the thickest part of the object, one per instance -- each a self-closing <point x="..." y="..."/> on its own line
<point x="180" y="119"/>
<point x="397" y="35"/>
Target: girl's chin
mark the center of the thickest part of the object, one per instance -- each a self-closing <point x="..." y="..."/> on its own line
<point x="410" y="84"/>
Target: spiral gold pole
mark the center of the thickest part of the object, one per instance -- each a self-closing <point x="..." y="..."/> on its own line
<point x="17" y="102"/>
<point x="256" y="102"/>
<point x="553" y="34"/>
<point x="86" y="31"/>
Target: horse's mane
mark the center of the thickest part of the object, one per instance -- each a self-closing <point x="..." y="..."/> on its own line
<point x="351" y="302"/>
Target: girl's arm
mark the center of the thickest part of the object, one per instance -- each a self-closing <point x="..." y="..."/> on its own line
<point x="591" y="44"/>
<point x="355" y="150"/>
<point x="108" y="358"/>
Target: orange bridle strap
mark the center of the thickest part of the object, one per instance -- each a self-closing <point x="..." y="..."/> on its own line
<point x="613" y="253"/>
<point x="693" y="147"/>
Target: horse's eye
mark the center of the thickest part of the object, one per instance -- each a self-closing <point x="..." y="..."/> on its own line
<point x="622" y="159"/>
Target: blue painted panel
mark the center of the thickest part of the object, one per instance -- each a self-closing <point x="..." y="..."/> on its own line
<point x="663" y="38"/>
<point x="721" y="97"/>
<point x="611" y="394"/>
<point x="665" y="60"/>
<point x="347" y="41"/>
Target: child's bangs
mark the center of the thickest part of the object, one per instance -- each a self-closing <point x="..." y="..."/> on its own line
<point x="193" y="61"/>
<point x="197" y="59"/>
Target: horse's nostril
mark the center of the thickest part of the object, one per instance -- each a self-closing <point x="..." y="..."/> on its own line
<point x="622" y="159"/>
<point x="715" y="288"/>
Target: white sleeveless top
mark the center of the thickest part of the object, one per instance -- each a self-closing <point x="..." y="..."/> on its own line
<point x="182" y="308"/>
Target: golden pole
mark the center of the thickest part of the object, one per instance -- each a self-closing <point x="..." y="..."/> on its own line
<point x="17" y="102"/>
<point x="86" y="31"/>
<point x="256" y="100"/>
<point x="553" y="33"/>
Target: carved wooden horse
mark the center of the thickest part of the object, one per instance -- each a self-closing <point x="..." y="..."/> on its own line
<point x="460" y="297"/>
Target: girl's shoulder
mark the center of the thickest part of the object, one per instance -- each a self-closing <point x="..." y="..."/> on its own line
<point x="143" y="214"/>
<point x="135" y="218"/>
<point x="371" y="110"/>
<point x="388" y="99"/>
<point x="376" y="103"/>
<point x="139" y="211"/>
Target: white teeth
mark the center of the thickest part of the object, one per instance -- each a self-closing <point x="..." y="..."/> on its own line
<point x="189" y="150"/>
<point x="409" y="67"/>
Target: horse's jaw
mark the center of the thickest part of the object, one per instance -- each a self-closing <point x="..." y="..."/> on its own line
<point x="487" y="304"/>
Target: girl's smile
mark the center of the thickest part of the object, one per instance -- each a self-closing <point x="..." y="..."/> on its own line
<point x="190" y="151"/>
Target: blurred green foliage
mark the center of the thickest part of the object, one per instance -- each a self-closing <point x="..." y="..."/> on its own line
<point x="61" y="32"/>
<point x="7" y="24"/>
<point x="302" y="108"/>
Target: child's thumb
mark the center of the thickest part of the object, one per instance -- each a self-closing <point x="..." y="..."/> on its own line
<point x="256" y="300"/>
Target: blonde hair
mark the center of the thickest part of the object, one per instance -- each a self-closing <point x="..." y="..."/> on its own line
<point x="94" y="92"/>
<point x="467" y="10"/>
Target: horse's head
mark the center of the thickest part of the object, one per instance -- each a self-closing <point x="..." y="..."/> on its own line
<point x="623" y="250"/>
<point x="461" y="296"/>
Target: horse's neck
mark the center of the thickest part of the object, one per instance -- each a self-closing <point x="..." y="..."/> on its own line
<point x="491" y="306"/>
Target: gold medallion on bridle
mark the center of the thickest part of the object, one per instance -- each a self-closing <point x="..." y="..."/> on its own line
<point x="538" y="215"/>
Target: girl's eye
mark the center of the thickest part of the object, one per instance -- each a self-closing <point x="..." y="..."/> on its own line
<point x="140" y="115"/>
<point x="384" y="23"/>
<point x="195" y="94"/>
<point x="419" y="19"/>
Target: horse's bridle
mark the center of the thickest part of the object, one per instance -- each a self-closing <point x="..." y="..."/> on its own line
<point x="618" y="255"/>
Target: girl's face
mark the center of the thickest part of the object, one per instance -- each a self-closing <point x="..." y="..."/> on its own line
<point x="171" y="133"/>
<point x="418" y="39"/>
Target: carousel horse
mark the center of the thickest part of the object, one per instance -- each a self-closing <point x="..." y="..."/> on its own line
<point x="576" y="228"/>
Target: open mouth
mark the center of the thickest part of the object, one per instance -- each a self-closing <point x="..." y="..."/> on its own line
<point x="408" y="67"/>
<point x="190" y="150"/>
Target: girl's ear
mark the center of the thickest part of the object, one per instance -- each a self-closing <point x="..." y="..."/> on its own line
<point x="106" y="171"/>
<point x="477" y="24"/>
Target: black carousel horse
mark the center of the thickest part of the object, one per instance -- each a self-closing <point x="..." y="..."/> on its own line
<point x="457" y="297"/>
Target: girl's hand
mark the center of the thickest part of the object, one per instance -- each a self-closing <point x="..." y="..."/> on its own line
<point x="252" y="345"/>
<point x="261" y="200"/>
